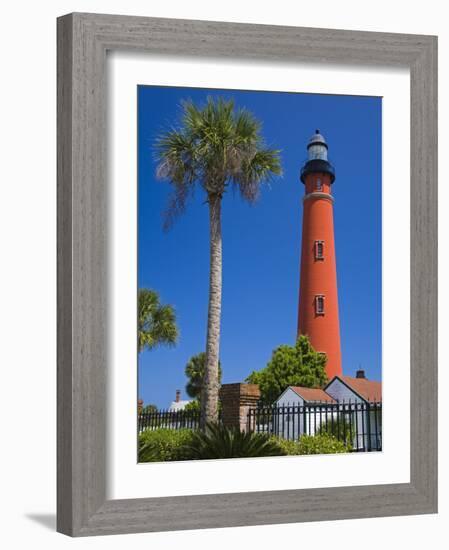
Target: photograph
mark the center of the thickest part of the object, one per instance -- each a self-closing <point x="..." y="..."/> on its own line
<point x="225" y="220"/>
<point x="259" y="274"/>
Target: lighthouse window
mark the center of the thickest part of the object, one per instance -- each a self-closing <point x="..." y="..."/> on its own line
<point x="319" y="185"/>
<point x="319" y="250"/>
<point x="319" y="304"/>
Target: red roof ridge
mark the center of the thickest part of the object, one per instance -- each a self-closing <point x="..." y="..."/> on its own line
<point x="313" y="394"/>
<point x="370" y="390"/>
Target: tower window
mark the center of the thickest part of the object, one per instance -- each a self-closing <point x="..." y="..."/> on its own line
<point x="319" y="184"/>
<point x="319" y="304"/>
<point x="319" y="250"/>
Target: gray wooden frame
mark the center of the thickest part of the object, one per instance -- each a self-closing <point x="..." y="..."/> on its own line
<point x="83" y="40"/>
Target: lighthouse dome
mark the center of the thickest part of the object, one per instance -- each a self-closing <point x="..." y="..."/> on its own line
<point x="317" y="147"/>
<point x="317" y="139"/>
<point x="317" y="160"/>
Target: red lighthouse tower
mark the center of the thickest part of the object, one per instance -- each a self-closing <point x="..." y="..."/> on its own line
<point x="318" y="295"/>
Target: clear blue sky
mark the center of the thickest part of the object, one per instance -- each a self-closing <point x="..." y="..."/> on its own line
<point x="261" y="243"/>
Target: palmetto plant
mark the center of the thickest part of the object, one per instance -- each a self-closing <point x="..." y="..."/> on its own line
<point x="215" y="146"/>
<point x="217" y="441"/>
<point x="156" y="322"/>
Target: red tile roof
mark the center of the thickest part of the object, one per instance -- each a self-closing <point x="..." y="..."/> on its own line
<point x="368" y="389"/>
<point x="313" y="394"/>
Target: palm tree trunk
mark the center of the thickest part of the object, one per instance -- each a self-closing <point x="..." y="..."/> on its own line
<point x="209" y="397"/>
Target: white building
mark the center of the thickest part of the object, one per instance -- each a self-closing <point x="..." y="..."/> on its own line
<point x="178" y="404"/>
<point x="356" y="390"/>
<point x="356" y="394"/>
<point x="345" y="399"/>
<point x="299" y="411"/>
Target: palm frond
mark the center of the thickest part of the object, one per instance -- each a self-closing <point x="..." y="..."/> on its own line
<point x="176" y="155"/>
<point x="247" y="127"/>
<point x="261" y="167"/>
<point x="217" y="441"/>
<point x="214" y="145"/>
<point x="156" y="322"/>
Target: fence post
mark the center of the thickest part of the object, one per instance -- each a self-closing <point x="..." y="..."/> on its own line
<point x="368" y="425"/>
<point x="236" y="401"/>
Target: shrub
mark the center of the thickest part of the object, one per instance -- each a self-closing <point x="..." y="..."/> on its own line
<point x="341" y="429"/>
<point x="163" y="445"/>
<point x="193" y="406"/>
<point x="298" y="365"/>
<point x="313" y="445"/>
<point x="220" y="442"/>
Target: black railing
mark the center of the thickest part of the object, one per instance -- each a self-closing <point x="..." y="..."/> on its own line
<point x="357" y="424"/>
<point x="171" y="420"/>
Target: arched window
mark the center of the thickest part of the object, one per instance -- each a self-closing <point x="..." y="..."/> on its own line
<point x="319" y="304"/>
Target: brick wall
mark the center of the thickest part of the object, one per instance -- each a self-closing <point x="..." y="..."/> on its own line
<point x="236" y="400"/>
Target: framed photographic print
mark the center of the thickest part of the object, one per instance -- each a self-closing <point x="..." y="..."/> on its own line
<point x="246" y="274"/>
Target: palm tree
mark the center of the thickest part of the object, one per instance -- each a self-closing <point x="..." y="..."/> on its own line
<point x="215" y="147"/>
<point x="195" y="370"/>
<point x="156" y="322"/>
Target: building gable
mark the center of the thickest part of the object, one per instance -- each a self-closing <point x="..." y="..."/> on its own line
<point x="358" y="390"/>
<point x="342" y="392"/>
<point x="289" y="397"/>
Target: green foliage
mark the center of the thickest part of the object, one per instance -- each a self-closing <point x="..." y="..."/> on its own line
<point x="214" y="146"/>
<point x="195" y="370"/>
<point x="148" y="409"/>
<point x="156" y="322"/>
<point x="193" y="406"/>
<point x="341" y="429"/>
<point x="220" y="442"/>
<point x="298" y="365"/>
<point x="312" y="445"/>
<point x="163" y="445"/>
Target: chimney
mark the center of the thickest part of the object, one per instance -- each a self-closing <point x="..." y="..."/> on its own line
<point x="360" y="374"/>
<point x="178" y="396"/>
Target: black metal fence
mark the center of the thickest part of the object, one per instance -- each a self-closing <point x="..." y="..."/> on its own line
<point x="171" y="420"/>
<point x="358" y="424"/>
